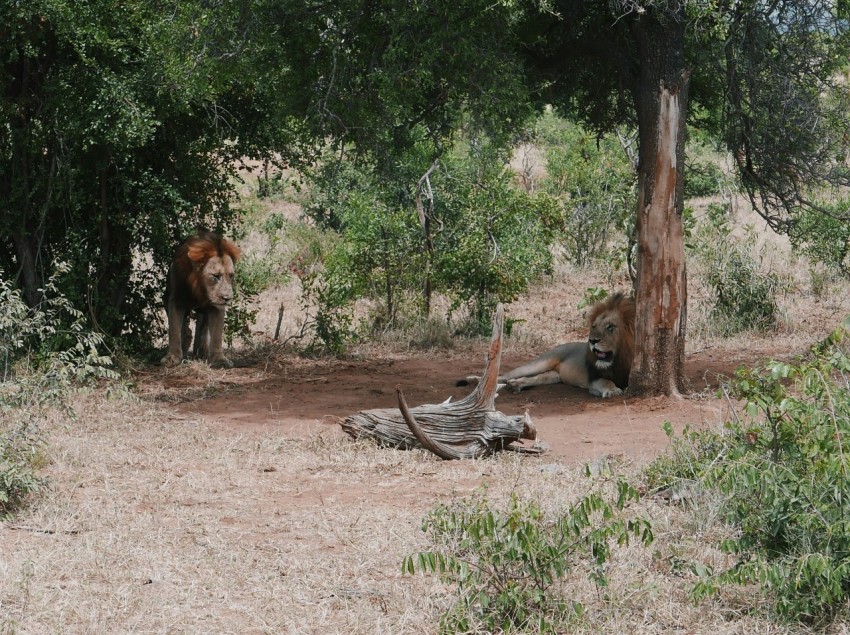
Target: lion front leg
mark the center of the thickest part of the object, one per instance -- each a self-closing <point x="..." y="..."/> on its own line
<point x="215" y="323"/>
<point x="604" y="388"/>
<point x="177" y="328"/>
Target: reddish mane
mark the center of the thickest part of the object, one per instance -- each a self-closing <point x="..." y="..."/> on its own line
<point x="193" y="254"/>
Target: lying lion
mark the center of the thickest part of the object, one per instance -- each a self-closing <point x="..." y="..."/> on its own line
<point x="602" y="364"/>
<point x="201" y="279"/>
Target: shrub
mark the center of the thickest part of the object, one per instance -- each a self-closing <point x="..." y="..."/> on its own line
<point x="703" y="178"/>
<point x="495" y="240"/>
<point x="783" y="472"/>
<point x="44" y="352"/>
<point x="744" y="297"/>
<point x="486" y="239"/>
<point x="504" y="563"/>
<point x="594" y="183"/>
<point x="21" y="455"/>
<point x="824" y="237"/>
<point x="744" y="294"/>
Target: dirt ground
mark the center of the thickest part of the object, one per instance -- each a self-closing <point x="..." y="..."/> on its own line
<point x="307" y="397"/>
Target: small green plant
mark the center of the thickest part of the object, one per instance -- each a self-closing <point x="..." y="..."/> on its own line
<point x="744" y="294"/>
<point x="272" y="181"/>
<point x="44" y="351"/>
<point x="783" y="474"/>
<point x="591" y="296"/>
<point x="505" y="563"/>
<point x="594" y="183"/>
<point x="684" y="463"/>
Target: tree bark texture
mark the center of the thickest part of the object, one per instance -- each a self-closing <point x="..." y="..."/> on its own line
<point x="661" y="99"/>
<point x="469" y="428"/>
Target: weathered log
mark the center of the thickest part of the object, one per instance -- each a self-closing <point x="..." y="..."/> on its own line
<point x="469" y="428"/>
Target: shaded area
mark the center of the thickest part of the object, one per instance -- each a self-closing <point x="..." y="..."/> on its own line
<point x="302" y="397"/>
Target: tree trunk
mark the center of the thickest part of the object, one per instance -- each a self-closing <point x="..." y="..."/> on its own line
<point x="116" y="261"/>
<point x="29" y="279"/>
<point x="661" y="99"/>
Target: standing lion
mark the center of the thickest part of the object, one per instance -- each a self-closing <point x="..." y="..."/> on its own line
<point x="200" y="279"/>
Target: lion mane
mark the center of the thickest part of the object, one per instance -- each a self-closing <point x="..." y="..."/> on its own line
<point x="601" y="363"/>
<point x="200" y="279"/>
<point x="611" y="340"/>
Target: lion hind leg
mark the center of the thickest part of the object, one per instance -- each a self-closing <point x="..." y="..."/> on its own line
<point x="474" y="380"/>
<point x="550" y="360"/>
<point x="200" y="347"/>
<point x="604" y="388"/>
<point x="186" y="336"/>
<point x="541" y="379"/>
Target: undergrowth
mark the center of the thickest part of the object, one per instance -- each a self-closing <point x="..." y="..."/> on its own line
<point x="744" y="294"/>
<point x="504" y="563"/>
<point x="44" y="351"/>
<point x="781" y="473"/>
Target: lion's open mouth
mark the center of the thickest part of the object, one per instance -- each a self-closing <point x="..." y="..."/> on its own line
<point x="603" y="356"/>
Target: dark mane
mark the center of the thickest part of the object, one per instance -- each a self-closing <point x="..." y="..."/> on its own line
<point x="621" y="367"/>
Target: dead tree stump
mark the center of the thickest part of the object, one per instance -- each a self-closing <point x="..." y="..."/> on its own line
<point x="469" y="428"/>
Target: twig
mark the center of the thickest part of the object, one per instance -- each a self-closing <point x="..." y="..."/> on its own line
<point x="39" y="530"/>
<point x="732" y="407"/>
<point x="279" y="320"/>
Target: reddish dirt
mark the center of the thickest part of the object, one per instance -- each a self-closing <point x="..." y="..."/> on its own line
<point x="304" y="397"/>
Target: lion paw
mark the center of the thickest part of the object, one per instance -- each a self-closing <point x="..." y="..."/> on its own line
<point x="171" y="360"/>
<point x="221" y="362"/>
<point x="605" y="393"/>
<point x="514" y="386"/>
<point x="605" y="388"/>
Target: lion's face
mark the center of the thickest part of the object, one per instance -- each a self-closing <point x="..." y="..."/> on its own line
<point x="217" y="278"/>
<point x="604" y="338"/>
<point x="611" y="335"/>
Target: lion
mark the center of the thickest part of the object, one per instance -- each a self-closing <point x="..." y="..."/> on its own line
<point x="602" y="364"/>
<point x="200" y="279"/>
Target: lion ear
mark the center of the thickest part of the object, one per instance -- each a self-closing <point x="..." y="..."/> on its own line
<point x="230" y="249"/>
<point x="198" y="251"/>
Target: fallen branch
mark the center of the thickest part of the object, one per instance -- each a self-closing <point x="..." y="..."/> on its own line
<point x="469" y="428"/>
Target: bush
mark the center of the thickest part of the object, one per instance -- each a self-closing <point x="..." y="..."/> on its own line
<point x="495" y="240"/>
<point x="21" y="455"/>
<point x="744" y="297"/>
<point x="594" y="183"/>
<point x="824" y="237"/>
<point x="504" y="563"/>
<point x="744" y="294"/>
<point x="44" y="352"/>
<point x="783" y="472"/>
<point x="703" y="178"/>
<point x="486" y="240"/>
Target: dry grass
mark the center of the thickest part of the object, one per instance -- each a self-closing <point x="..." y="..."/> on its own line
<point x="156" y="522"/>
